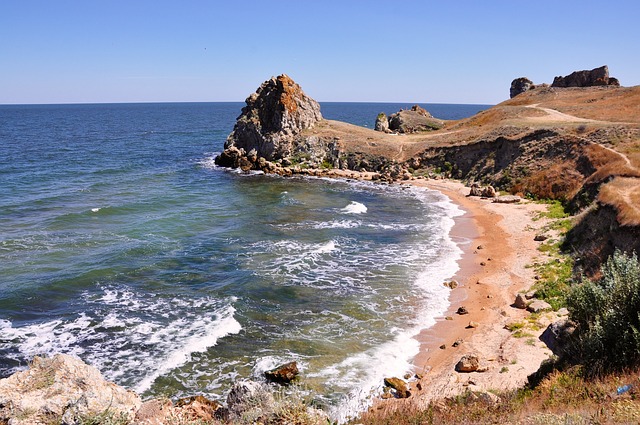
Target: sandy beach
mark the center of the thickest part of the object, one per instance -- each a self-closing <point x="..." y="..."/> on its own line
<point x="499" y="248"/>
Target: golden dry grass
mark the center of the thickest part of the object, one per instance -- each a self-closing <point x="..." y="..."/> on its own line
<point x="623" y="193"/>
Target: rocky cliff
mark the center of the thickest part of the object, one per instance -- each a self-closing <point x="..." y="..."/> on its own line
<point x="270" y="122"/>
<point x="587" y="78"/>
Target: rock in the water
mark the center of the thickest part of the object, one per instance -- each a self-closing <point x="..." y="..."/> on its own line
<point x="452" y="284"/>
<point x="520" y="85"/>
<point x="520" y="302"/>
<point x="594" y="77"/>
<point x="538" y="306"/>
<point x="557" y="336"/>
<point x="62" y="389"/>
<point x="382" y="122"/>
<point x="413" y="120"/>
<point x="469" y="363"/>
<point x="401" y="388"/>
<point x="273" y="116"/>
<point x="283" y="374"/>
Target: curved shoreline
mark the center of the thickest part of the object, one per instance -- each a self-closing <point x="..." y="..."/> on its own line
<point x="489" y="278"/>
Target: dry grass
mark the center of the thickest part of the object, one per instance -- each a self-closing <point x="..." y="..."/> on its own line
<point x="623" y="193"/>
<point x="562" y="397"/>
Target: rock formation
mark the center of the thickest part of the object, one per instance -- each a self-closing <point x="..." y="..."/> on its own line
<point x="413" y="120"/>
<point x="382" y="123"/>
<point x="520" y="85"/>
<point x="594" y="77"/>
<point x="283" y="374"/>
<point x="65" y="389"/>
<point x="272" y="118"/>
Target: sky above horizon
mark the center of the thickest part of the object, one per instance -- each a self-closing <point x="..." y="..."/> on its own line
<point x="469" y="51"/>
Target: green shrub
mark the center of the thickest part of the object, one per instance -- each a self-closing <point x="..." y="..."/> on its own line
<point x="607" y="313"/>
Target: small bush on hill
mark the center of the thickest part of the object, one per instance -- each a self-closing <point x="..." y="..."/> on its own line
<point x="607" y="313"/>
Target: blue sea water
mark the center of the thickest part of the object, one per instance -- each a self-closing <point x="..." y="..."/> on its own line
<point x="122" y="243"/>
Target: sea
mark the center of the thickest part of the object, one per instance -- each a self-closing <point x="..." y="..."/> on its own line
<point x="122" y="243"/>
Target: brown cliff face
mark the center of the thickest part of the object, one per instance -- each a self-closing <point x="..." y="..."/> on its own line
<point x="273" y="116"/>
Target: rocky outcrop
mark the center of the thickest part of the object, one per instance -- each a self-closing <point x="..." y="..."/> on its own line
<point x="382" y="123"/>
<point x="65" y="390"/>
<point x="557" y="336"/>
<point x="594" y="77"/>
<point x="413" y="120"/>
<point x="283" y="374"/>
<point x="272" y="118"/>
<point x="520" y="85"/>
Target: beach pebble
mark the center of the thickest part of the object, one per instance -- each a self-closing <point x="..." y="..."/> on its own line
<point x="448" y="318"/>
<point x="462" y="310"/>
<point x="443" y="347"/>
<point x="483" y="263"/>
<point x="457" y="342"/>
<point x="480" y="247"/>
<point x="473" y="325"/>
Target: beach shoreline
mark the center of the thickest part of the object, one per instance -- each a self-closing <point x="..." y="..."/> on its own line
<point x="498" y="250"/>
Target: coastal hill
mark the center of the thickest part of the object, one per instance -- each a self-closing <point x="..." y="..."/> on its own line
<point x="579" y="145"/>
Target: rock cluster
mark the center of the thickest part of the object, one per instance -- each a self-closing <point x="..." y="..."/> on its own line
<point x="587" y="78"/>
<point x="408" y="121"/>
<point x="272" y="118"/>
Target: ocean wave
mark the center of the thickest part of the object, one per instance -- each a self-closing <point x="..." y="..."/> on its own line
<point x="354" y="208"/>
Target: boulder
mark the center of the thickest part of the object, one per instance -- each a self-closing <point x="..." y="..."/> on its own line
<point x="462" y="310"/>
<point x="452" y="284"/>
<point x="587" y="78"/>
<point x="475" y="190"/>
<point x="248" y="394"/>
<point x="401" y="388"/>
<point x="520" y="85"/>
<point x="488" y="192"/>
<point x="283" y="374"/>
<point x="538" y="306"/>
<point x="469" y="363"/>
<point x="382" y="123"/>
<point x="507" y="199"/>
<point x="557" y="336"/>
<point x="413" y="120"/>
<point x="520" y="301"/>
<point x="63" y="389"/>
<point x="273" y="116"/>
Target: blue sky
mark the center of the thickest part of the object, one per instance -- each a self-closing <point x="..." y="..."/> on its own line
<point x="63" y="51"/>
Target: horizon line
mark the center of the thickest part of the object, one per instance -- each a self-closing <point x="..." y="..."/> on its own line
<point x="231" y="101"/>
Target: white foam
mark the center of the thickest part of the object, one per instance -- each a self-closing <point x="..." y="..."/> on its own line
<point x="190" y="338"/>
<point x="95" y="209"/>
<point x="355" y="208"/>
<point x="327" y="247"/>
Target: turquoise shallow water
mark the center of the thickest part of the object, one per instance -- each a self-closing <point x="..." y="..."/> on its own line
<point x="122" y="243"/>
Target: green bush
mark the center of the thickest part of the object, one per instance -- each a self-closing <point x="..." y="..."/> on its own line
<point x="607" y="312"/>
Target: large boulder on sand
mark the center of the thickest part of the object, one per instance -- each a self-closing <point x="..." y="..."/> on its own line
<point x="62" y="389"/>
<point x="382" y="123"/>
<point x="277" y="112"/>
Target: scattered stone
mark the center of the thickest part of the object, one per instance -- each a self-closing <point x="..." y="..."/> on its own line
<point x="480" y="247"/>
<point x="489" y="296"/>
<point x="538" y="306"/>
<point x="520" y="302"/>
<point x="520" y="85"/>
<point x="530" y="295"/>
<point x="540" y="238"/>
<point x="475" y="190"/>
<point x="448" y="318"/>
<point x="283" y="374"/>
<point x="443" y="347"/>
<point x="473" y="325"/>
<point x="407" y="376"/>
<point x="587" y="78"/>
<point x="482" y="263"/>
<point x="562" y="312"/>
<point x="462" y="310"/>
<point x="507" y="199"/>
<point x="457" y="342"/>
<point x="452" y="284"/>
<point x="62" y="389"/>
<point x="467" y="364"/>
<point x="401" y="388"/>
